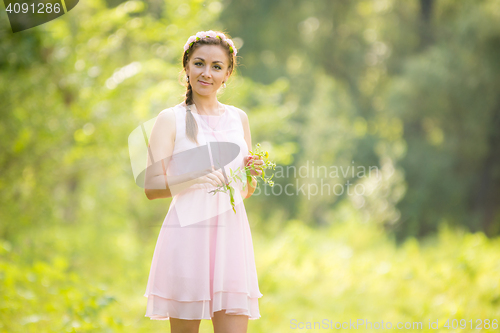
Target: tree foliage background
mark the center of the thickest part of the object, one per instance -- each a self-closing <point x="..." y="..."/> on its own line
<point x="407" y="88"/>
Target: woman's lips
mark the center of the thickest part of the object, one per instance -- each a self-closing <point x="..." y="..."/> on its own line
<point x="204" y="83"/>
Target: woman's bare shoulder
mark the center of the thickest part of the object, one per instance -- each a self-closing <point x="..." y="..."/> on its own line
<point x="166" y="121"/>
<point x="243" y="115"/>
<point x="168" y="112"/>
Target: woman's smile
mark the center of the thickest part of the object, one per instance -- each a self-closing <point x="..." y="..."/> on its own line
<point x="204" y="83"/>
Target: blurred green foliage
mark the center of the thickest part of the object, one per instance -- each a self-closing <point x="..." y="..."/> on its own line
<point x="408" y="87"/>
<point x="347" y="271"/>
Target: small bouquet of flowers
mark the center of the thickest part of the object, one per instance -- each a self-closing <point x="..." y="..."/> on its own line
<point x="244" y="175"/>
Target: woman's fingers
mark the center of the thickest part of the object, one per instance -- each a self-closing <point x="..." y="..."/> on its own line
<point x="256" y="162"/>
<point x="254" y="159"/>
<point x="221" y="178"/>
<point x="218" y="177"/>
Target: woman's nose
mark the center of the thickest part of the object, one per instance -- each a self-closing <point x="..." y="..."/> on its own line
<point x="206" y="73"/>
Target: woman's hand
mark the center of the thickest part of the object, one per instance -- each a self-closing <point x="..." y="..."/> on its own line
<point x="254" y="160"/>
<point x="215" y="178"/>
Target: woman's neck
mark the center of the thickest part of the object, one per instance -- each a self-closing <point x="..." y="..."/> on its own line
<point x="208" y="106"/>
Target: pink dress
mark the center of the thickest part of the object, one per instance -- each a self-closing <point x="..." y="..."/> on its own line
<point x="204" y="260"/>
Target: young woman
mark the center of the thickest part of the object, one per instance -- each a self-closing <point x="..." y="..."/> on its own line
<point x="203" y="265"/>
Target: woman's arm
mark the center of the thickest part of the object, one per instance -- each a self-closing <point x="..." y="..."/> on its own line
<point x="161" y="147"/>
<point x="250" y="188"/>
<point x="247" y="193"/>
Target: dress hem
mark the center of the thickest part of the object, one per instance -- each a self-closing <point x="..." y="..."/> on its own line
<point x="161" y="308"/>
<point x="207" y="299"/>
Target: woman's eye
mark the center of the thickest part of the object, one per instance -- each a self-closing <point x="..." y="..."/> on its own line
<point x="200" y="63"/>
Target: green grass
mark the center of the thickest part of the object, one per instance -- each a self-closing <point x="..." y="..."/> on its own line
<point x="68" y="280"/>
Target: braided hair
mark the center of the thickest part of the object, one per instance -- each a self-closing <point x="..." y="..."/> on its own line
<point x="191" y="125"/>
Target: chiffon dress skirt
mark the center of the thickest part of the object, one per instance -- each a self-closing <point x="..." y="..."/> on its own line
<point x="204" y="261"/>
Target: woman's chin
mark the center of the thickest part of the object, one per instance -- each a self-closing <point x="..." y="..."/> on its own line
<point x="205" y="92"/>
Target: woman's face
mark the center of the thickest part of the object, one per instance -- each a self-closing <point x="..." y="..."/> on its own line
<point x="208" y="63"/>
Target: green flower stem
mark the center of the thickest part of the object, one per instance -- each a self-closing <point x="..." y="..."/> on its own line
<point x="245" y="176"/>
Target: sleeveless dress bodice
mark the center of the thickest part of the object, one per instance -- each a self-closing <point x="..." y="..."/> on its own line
<point x="196" y="204"/>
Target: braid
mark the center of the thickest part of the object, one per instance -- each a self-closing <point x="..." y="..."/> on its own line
<point x="225" y="43"/>
<point x="191" y="124"/>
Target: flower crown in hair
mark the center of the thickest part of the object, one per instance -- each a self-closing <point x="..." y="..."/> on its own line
<point x="202" y="34"/>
